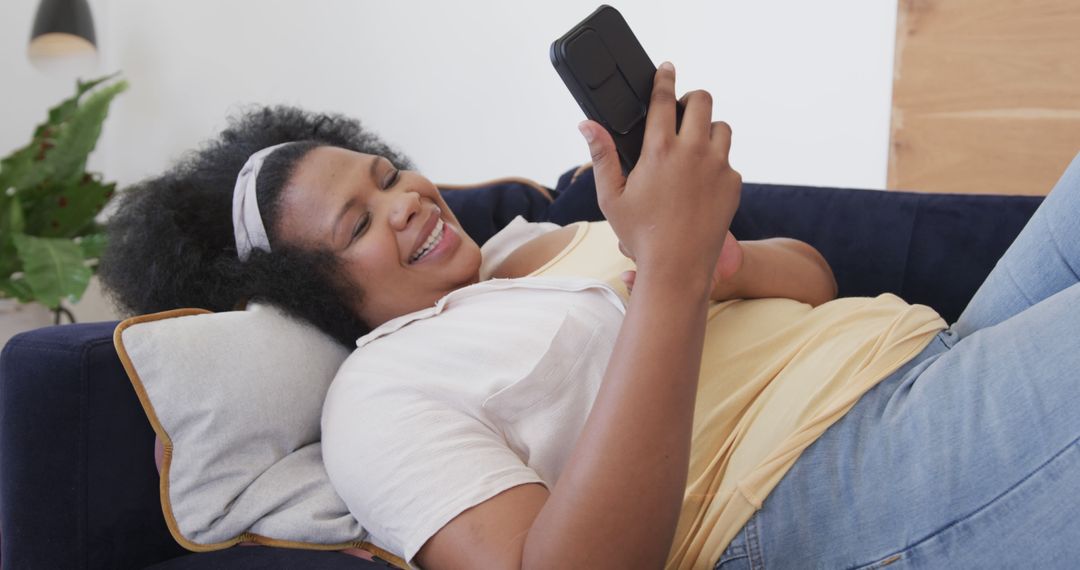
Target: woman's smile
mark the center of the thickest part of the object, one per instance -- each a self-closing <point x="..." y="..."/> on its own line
<point x="442" y="243"/>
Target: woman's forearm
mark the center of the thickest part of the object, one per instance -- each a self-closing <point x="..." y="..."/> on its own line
<point x="617" y="501"/>
<point x="780" y="267"/>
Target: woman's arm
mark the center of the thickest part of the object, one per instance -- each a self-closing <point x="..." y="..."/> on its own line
<point x="776" y="267"/>
<point x="616" y="503"/>
<point x="779" y="267"/>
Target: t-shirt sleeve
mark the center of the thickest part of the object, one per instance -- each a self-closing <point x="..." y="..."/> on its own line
<point x="405" y="474"/>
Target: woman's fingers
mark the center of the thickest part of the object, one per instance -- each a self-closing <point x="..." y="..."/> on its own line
<point x="607" y="169"/>
<point x="682" y="191"/>
<point x="660" y="120"/>
<point x="697" y="116"/>
<point x="720" y="138"/>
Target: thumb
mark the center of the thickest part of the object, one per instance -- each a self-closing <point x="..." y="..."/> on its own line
<point x="606" y="168"/>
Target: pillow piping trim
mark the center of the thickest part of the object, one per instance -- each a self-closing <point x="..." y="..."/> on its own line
<point x="517" y="179"/>
<point x="167" y="444"/>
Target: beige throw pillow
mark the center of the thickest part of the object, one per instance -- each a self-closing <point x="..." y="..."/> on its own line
<point x="236" y="398"/>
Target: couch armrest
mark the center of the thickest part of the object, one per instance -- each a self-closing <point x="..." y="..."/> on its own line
<point x="89" y="496"/>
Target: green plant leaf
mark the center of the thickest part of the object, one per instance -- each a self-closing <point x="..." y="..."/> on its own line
<point x="14" y="166"/>
<point x="70" y="211"/>
<point x="65" y="162"/>
<point x="57" y="153"/>
<point x="54" y="268"/>
<point x="64" y="110"/>
<point x="92" y="245"/>
<point x="11" y="223"/>
<point x="13" y="219"/>
<point x="16" y="289"/>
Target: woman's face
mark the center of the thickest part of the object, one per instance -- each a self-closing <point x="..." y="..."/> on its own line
<point x="397" y="239"/>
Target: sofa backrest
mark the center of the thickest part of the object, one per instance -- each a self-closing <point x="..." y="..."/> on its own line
<point x="931" y="249"/>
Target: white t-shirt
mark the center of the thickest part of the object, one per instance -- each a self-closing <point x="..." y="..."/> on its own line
<point x="444" y="408"/>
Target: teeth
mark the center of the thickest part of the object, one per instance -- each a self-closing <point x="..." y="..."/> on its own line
<point x="436" y="235"/>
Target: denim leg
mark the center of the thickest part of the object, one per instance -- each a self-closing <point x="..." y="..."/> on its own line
<point x="1044" y="259"/>
<point x="967" y="459"/>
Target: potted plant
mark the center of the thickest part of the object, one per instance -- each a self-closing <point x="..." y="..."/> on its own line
<point x="49" y="239"/>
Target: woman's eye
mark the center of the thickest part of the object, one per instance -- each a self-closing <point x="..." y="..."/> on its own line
<point x="393" y="179"/>
<point x="361" y="226"/>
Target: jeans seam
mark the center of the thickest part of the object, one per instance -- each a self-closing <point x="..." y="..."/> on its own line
<point x="731" y="553"/>
<point x="753" y="544"/>
<point x="1020" y="289"/>
<point x="1057" y="246"/>
<point x="949" y="339"/>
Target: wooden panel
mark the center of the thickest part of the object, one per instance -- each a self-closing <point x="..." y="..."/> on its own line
<point x="986" y="95"/>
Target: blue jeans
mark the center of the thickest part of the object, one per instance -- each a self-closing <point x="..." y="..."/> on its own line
<point x="968" y="456"/>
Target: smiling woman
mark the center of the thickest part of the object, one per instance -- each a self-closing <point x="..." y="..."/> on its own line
<point x="390" y="229"/>
<point x="188" y="207"/>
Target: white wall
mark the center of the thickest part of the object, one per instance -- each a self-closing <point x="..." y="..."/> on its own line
<point x="466" y="88"/>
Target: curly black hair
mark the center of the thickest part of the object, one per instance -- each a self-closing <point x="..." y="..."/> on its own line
<point x="171" y="244"/>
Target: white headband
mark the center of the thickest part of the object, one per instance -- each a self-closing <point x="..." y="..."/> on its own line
<point x="247" y="222"/>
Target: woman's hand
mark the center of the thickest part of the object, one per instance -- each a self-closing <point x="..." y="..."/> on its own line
<point x="673" y="210"/>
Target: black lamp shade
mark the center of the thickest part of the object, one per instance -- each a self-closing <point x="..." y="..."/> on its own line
<point x="64" y="17"/>
<point x="63" y="42"/>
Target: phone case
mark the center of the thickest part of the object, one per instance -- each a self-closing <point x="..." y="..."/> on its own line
<point x="611" y="77"/>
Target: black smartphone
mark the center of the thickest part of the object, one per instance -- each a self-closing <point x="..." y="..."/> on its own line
<point x="611" y="77"/>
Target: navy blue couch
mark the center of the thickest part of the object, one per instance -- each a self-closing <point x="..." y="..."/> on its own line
<point x="78" y="486"/>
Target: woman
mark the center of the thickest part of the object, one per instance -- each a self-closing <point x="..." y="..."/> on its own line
<point x="597" y="443"/>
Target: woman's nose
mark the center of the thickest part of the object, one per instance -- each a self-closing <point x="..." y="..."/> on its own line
<point x="405" y="206"/>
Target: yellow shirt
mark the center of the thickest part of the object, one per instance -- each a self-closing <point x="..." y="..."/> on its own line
<point x="775" y="373"/>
